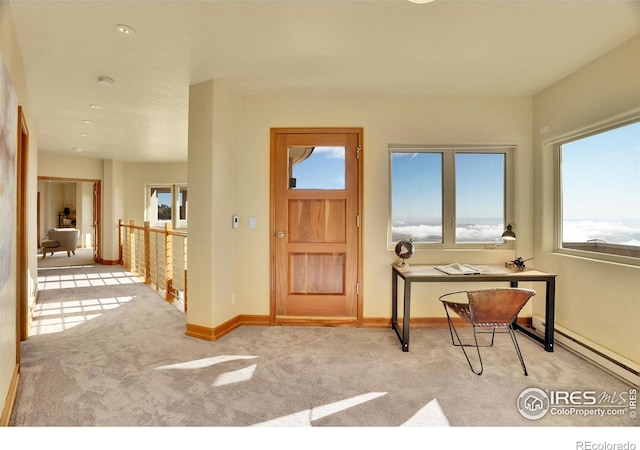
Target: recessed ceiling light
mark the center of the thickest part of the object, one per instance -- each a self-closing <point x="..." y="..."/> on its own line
<point x="77" y="149"/>
<point x="105" y="81"/>
<point x="420" y="2"/>
<point x="84" y="134"/>
<point x="93" y="106"/>
<point x="88" y="122"/>
<point x="125" y="29"/>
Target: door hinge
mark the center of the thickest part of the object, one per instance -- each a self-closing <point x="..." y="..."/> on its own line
<point x="358" y="220"/>
<point x="358" y="151"/>
<point x="357" y="288"/>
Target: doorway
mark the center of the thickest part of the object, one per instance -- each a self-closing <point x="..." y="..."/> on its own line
<point x="316" y="226"/>
<point x="82" y="197"/>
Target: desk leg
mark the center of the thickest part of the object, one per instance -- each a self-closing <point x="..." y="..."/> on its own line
<point x="550" y="307"/>
<point x="394" y="299"/>
<point x="550" y="314"/>
<point x="406" y="316"/>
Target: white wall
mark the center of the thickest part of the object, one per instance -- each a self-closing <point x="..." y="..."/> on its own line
<point x="596" y="300"/>
<point x="419" y="120"/>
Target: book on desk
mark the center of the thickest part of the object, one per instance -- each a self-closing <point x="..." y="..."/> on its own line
<point x="466" y="269"/>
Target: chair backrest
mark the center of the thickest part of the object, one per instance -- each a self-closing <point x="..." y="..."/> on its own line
<point x="497" y="306"/>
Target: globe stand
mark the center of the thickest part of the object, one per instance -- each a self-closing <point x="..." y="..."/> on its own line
<point x="403" y="263"/>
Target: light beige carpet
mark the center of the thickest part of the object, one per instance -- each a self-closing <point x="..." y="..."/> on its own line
<point x="107" y="351"/>
<point x="83" y="257"/>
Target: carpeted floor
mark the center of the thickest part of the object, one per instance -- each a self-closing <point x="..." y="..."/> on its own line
<point x="83" y="257"/>
<point x="106" y="350"/>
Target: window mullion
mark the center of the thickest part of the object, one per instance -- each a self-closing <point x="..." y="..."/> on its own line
<point x="449" y="197"/>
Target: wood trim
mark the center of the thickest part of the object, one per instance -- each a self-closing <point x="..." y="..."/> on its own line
<point x="22" y="226"/>
<point x="213" y="334"/>
<point x="317" y="321"/>
<point x="109" y="262"/>
<point x="11" y="397"/>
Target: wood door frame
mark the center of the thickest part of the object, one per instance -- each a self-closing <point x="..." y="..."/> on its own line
<point x="272" y="213"/>
<point x="97" y="205"/>
<point x="22" y="242"/>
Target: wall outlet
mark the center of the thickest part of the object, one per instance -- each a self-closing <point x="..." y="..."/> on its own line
<point x="233" y="299"/>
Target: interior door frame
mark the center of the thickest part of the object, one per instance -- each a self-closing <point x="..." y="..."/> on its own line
<point x="97" y="210"/>
<point x="272" y="224"/>
<point x="22" y="227"/>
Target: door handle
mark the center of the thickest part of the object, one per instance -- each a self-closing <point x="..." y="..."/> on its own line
<point x="281" y="234"/>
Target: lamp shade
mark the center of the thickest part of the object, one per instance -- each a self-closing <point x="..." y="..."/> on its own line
<point x="508" y="234"/>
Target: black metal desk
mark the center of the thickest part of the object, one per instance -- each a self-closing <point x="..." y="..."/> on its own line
<point x="421" y="274"/>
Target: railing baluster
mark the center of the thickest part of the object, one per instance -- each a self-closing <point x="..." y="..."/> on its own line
<point x="158" y="259"/>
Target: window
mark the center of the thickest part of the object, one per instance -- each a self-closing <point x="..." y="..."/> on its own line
<point x="449" y="197"/>
<point x="162" y="203"/>
<point x="599" y="195"/>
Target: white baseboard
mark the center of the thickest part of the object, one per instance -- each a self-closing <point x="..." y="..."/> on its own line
<point x="618" y="365"/>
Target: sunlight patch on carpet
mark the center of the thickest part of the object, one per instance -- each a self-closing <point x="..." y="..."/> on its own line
<point x="236" y="376"/>
<point x="304" y="418"/>
<point x="57" y="316"/>
<point x="206" y="362"/>
<point x="431" y="415"/>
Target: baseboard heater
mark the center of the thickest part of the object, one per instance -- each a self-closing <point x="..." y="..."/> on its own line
<point x="618" y="365"/>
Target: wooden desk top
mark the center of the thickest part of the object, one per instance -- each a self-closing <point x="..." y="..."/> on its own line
<point x="489" y="272"/>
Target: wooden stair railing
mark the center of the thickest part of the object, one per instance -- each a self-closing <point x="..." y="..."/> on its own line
<point x="157" y="255"/>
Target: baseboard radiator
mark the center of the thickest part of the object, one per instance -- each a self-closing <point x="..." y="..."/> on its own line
<point x="618" y="365"/>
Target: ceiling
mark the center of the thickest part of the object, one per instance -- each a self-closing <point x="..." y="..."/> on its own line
<point x="303" y="47"/>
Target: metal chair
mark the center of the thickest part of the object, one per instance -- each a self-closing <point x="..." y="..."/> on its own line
<point x="487" y="309"/>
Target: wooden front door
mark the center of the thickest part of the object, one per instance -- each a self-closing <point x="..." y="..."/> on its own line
<point x="315" y="226"/>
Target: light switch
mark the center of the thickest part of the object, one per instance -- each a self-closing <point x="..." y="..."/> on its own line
<point x="252" y="222"/>
<point x="236" y="222"/>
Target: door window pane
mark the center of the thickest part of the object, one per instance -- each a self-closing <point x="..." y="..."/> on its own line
<point x="316" y="167"/>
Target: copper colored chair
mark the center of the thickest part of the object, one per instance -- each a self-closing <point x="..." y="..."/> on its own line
<point x="487" y="310"/>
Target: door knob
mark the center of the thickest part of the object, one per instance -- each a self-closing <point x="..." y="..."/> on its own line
<point x="280" y="234"/>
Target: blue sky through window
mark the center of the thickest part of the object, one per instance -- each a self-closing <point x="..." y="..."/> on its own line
<point x="323" y="169"/>
<point x="601" y="187"/>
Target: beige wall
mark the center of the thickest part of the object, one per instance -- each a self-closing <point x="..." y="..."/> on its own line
<point x="417" y="120"/>
<point x="139" y="175"/>
<point x="12" y="57"/>
<point x="596" y="300"/>
<point x="214" y="155"/>
<point x="70" y="167"/>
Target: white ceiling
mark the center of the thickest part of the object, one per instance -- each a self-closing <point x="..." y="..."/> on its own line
<point x="356" y="47"/>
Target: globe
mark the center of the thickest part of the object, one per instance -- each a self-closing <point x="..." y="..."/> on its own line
<point x="404" y="250"/>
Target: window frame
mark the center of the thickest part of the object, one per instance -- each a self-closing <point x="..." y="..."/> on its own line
<point x="175" y="221"/>
<point x="449" y="192"/>
<point x="558" y="193"/>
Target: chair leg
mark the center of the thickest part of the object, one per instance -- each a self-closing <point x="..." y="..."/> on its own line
<point x="452" y="331"/>
<point x="517" y="347"/>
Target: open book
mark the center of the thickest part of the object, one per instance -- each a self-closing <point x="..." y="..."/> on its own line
<point x="459" y="269"/>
